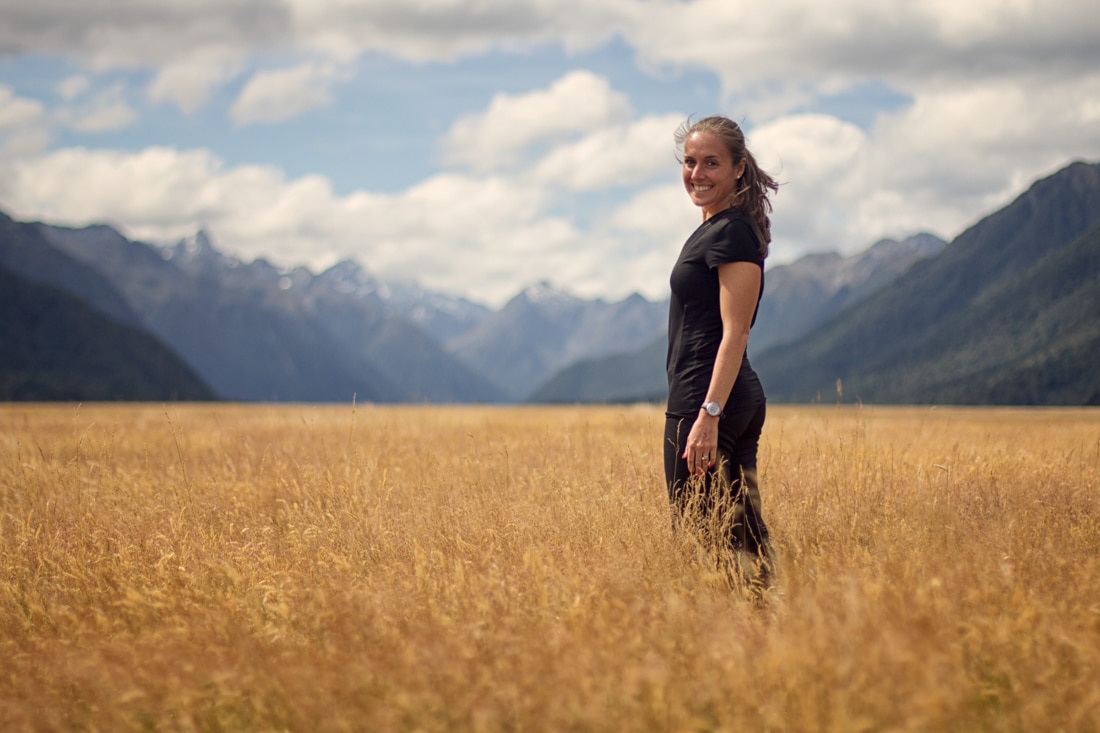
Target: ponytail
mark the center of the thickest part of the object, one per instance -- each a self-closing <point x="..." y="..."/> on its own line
<point x="753" y="198"/>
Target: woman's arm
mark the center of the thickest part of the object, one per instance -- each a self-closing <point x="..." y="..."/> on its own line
<point x="739" y="288"/>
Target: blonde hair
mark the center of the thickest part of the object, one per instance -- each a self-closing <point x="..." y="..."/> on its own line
<point x="752" y="196"/>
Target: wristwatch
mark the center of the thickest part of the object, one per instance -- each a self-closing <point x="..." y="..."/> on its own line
<point x="713" y="408"/>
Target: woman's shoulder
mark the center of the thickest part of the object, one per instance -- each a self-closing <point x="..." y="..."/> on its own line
<point x="734" y="219"/>
<point x="734" y="230"/>
<point x="726" y="225"/>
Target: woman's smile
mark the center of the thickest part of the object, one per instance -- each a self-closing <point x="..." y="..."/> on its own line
<point x="710" y="175"/>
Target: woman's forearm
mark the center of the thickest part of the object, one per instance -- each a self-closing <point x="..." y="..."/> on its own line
<point x="727" y="365"/>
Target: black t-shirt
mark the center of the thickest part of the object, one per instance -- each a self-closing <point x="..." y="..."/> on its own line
<point x="695" y="317"/>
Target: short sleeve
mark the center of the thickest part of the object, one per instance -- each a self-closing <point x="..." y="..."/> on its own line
<point x="735" y="242"/>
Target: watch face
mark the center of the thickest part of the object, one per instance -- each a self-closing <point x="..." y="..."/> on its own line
<point x="713" y="409"/>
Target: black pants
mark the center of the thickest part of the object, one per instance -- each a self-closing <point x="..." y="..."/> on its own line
<point x="724" y="503"/>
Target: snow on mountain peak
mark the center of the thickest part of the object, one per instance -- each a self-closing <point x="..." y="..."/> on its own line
<point x="351" y="278"/>
<point x="544" y="293"/>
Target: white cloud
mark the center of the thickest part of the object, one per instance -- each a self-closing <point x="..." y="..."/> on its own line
<point x="937" y="165"/>
<point x="814" y="158"/>
<point x="165" y="32"/>
<point x="964" y="151"/>
<point x="275" y="96"/>
<point x="616" y="155"/>
<point x="142" y="32"/>
<point x="449" y="231"/>
<point x="483" y="236"/>
<point x="648" y="231"/>
<point x="105" y="117"/>
<point x="445" y="30"/>
<point x="664" y="210"/>
<point x="785" y="41"/>
<point x="792" y="43"/>
<point x="577" y="102"/>
<point x="80" y="185"/>
<point x="104" y="111"/>
<point x="72" y="87"/>
<point x="17" y="112"/>
<point x="23" y="129"/>
<point x="189" y="84"/>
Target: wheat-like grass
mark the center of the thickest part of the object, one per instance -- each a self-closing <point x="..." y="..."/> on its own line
<point x="368" y="568"/>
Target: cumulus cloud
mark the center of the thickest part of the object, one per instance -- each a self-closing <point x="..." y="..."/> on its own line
<point x="22" y="125"/>
<point x="106" y="111"/>
<point x="794" y="43"/>
<point x="188" y="84"/>
<point x="647" y="231"/>
<point x="16" y="112"/>
<point x="482" y="236"/>
<point x="814" y="158"/>
<point x="163" y="32"/>
<point x="749" y="44"/>
<point x="972" y="149"/>
<point x="105" y="118"/>
<point x="72" y="87"/>
<point x="448" y="231"/>
<point x="80" y="185"/>
<point x="936" y="165"/>
<point x="141" y="33"/>
<point x="578" y="102"/>
<point x="445" y="30"/>
<point x="614" y="155"/>
<point x="275" y="96"/>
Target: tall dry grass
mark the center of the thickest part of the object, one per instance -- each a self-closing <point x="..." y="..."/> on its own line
<point x="301" y="568"/>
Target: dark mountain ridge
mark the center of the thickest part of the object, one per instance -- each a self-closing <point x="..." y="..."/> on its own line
<point x="247" y="337"/>
<point x="26" y="252"/>
<point x="804" y="293"/>
<point x="940" y="333"/>
<point x="56" y="347"/>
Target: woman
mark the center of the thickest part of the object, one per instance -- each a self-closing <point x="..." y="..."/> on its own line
<point x="716" y="404"/>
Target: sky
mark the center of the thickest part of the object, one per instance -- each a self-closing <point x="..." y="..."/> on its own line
<point x="477" y="147"/>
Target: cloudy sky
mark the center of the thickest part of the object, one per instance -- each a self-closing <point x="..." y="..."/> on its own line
<point x="479" y="146"/>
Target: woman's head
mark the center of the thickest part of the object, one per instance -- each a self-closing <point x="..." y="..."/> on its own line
<point x="720" y="172"/>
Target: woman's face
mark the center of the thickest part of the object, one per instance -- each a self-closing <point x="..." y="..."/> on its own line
<point x="710" y="175"/>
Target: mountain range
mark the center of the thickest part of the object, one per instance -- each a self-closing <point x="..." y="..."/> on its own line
<point x="254" y="332"/>
<point x="541" y="330"/>
<point x="1006" y="313"/>
<point x="56" y="347"/>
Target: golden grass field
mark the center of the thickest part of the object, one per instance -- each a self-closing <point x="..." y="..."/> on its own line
<point x="342" y="568"/>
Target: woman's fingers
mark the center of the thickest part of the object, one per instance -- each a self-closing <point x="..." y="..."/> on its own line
<point x="699" y="460"/>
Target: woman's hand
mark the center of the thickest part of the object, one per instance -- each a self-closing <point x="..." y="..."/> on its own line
<point x="702" y="444"/>
<point x="739" y="288"/>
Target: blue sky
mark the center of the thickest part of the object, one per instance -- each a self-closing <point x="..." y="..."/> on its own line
<point x="481" y="147"/>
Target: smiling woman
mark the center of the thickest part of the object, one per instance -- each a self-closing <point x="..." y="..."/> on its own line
<point x="716" y="404"/>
